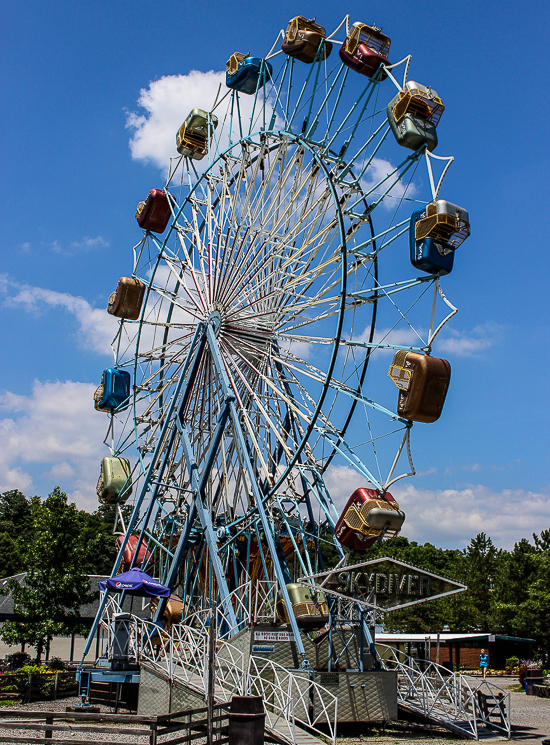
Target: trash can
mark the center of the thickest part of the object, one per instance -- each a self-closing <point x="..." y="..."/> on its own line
<point x="246" y="720"/>
<point x="533" y="677"/>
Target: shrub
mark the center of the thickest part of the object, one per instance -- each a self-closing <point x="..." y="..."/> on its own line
<point x="18" y="659"/>
<point x="511" y="662"/>
<point x="56" y="663"/>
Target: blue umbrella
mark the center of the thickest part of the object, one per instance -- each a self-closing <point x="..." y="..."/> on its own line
<point x="135" y="582"/>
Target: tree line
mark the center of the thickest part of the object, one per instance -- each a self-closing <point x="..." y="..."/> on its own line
<point x="508" y="591"/>
<point x="57" y="545"/>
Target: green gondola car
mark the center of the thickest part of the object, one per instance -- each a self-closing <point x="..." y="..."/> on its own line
<point x="413" y="116"/>
<point x="310" y="607"/>
<point x="194" y="134"/>
<point x="114" y="485"/>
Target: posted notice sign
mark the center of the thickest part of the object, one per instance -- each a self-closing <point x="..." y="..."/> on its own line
<point x="273" y="636"/>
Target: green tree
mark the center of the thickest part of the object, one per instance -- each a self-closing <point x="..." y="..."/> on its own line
<point x="48" y="603"/>
<point x="15" y="529"/>
<point x="482" y="561"/>
<point x="97" y="540"/>
<point x="522" y="593"/>
<point x="516" y="573"/>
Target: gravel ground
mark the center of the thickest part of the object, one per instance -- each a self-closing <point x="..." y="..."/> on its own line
<point x="530" y="724"/>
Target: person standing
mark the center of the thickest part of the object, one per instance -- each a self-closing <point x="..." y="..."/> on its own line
<point x="483" y="662"/>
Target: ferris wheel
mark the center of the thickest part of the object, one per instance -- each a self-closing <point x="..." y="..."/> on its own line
<point x="293" y="255"/>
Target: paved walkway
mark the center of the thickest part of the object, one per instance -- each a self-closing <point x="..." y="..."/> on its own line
<point x="530" y="716"/>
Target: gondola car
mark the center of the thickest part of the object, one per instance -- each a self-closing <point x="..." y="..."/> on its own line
<point x="114" y="391"/>
<point x="114" y="485"/>
<point x="310" y="607"/>
<point x="155" y="212"/>
<point x="435" y="232"/>
<point x="366" y="517"/>
<point x="413" y="115"/>
<point x="305" y="40"/>
<point x="247" y="74"/>
<point x="127" y="299"/>
<point x="173" y="610"/>
<point x="365" y="49"/>
<point x="130" y="550"/>
<point x="423" y="383"/>
<point x="194" y="135"/>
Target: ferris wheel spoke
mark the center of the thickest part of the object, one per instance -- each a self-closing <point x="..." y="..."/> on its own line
<point x="277" y="389"/>
<point x="257" y="403"/>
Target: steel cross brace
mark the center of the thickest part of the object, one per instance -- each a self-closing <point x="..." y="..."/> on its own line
<point x="194" y="351"/>
<point x="247" y="466"/>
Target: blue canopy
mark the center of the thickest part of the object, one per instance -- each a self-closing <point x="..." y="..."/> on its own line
<point x="135" y="582"/>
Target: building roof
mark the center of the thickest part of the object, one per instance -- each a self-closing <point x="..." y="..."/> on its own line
<point x="385" y="638"/>
<point x="136" y="605"/>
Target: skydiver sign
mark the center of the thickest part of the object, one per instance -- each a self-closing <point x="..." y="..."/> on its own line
<point x="385" y="584"/>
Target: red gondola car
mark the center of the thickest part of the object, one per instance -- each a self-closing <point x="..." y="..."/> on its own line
<point x="365" y="49"/>
<point x="129" y="551"/>
<point x="155" y="212"/>
<point x="366" y="516"/>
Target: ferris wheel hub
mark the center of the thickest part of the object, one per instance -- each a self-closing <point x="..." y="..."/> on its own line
<point x="215" y="320"/>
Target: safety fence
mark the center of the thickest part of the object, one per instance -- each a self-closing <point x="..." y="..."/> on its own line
<point x="181" y="653"/>
<point x="23" y="687"/>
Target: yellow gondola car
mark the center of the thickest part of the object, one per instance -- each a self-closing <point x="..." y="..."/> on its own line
<point x="195" y="133"/>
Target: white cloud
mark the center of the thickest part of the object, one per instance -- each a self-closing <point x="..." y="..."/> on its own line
<point x="96" y="327"/>
<point x="467" y="344"/>
<point x="56" y="426"/>
<point x="449" y="341"/>
<point x="88" y="244"/>
<point x="452" y="517"/>
<point x="167" y="102"/>
<point x="378" y="170"/>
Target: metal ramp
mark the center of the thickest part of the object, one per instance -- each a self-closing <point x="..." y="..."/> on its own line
<point x="471" y="708"/>
<point x="278" y="728"/>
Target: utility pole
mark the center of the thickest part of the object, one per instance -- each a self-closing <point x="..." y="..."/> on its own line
<point x="211" y="675"/>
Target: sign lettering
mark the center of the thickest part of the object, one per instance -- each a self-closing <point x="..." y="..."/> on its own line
<point x="386" y="584"/>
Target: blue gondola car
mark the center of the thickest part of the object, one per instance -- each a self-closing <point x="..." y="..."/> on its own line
<point x="247" y="74"/>
<point x="114" y="391"/>
<point x="435" y="232"/>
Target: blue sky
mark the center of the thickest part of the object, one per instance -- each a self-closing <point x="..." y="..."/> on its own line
<point x="70" y="183"/>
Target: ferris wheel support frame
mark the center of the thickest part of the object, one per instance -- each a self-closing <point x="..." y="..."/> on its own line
<point x="205" y="336"/>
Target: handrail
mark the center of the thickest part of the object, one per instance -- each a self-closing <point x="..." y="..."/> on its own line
<point x="181" y="655"/>
<point x="251" y="602"/>
<point x="443" y="695"/>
